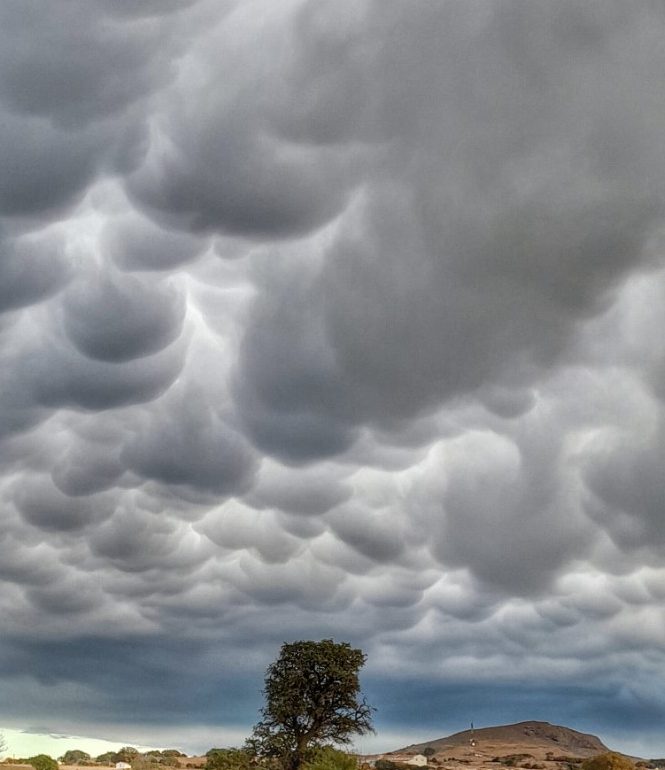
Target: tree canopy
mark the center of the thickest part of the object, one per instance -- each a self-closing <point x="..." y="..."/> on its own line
<point x="227" y="759"/>
<point x="313" y="698"/>
<point x="43" y="762"/>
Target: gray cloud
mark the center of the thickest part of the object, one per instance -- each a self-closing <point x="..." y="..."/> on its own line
<point x="332" y="320"/>
<point x="112" y="319"/>
<point x="31" y="269"/>
<point x="136" y="244"/>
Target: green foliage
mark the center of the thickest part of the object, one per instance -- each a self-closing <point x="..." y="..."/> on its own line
<point x="312" y="694"/>
<point x="107" y="758"/>
<point x="142" y="762"/>
<point x="74" y="756"/>
<point x="168" y="757"/>
<point x="43" y="762"/>
<point x="127" y="754"/>
<point x="330" y="758"/>
<point x="228" y="759"/>
<point x="385" y="764"/>
<point x="429" y="751"/>
<point x="609" y="761"/>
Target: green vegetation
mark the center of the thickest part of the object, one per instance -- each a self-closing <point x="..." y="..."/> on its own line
<point x="167" y="757"/>
<point x="228" y="759"/>
<point x="138" y="761"/>
<point x="127" y="754"/>
<point x="386" y="764"/>
<point x="609" y="761"/>
<point x="151" y="760"/>
<point x="329" y="758"/>
<point x="312" y="697"/>
<point x="429" y="751"/>
<point x="43" y="762"/>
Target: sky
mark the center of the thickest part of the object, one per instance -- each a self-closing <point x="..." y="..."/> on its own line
<point x="332" y="319"/>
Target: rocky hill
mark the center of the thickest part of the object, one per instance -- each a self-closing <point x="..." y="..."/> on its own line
<point x="526" y="744"/>
<point x="541" y="734"/>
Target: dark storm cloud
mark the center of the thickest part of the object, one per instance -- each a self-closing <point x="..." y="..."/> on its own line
<point x="31" y="269"/>
<point x="302" y="491"/>
<point x="332" y="320"/>
<point x="74" y="64"/>
<point x="221" y="163"/>
<point x="46" y="507"/>
<point x="498" y="219"/>
<point x="628" y="490"/>
<point x="113" y="319"/>
<point x="137" y="244"/>
<point x="70" y="82"/>
<point x="43" y="167"/>
<point x="192" y="445"/>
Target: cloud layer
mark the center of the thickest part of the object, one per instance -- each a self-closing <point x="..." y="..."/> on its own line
<point x="332" y="319"/>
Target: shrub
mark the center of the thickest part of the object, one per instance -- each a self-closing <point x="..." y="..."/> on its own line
<point x="228" y="759"/>
<point x="329" y="758"/>
<point x="43" y="762"/>
<point x="609" y="761"/>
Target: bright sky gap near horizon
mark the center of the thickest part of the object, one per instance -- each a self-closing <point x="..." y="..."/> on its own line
<point x="332" y="318"/>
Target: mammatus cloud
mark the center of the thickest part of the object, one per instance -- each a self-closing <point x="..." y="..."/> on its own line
<point x="332" y="320"/>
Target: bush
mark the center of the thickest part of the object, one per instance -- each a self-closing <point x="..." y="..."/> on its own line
<point x="43" y="762"/>
<point x="74" y="756"/>
<point x="127" y="754"/>
<point x="228" y="759"/>
<point x="609" y="761"/>
<point x="328" y="758"/>
<point x="144" y="762"/>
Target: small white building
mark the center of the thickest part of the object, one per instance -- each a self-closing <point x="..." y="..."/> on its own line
<point x="419" y="760"/>
<point x="123" y="766"/>
<point x="416" y="760"/>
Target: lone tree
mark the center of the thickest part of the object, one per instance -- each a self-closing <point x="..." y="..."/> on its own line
<point x="313" y="698"/>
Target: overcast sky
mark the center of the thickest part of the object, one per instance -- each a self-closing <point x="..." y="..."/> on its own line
<point x="332" y="318"/>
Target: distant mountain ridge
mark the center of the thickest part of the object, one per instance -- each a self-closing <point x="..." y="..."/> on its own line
<point x="540" y="736"/>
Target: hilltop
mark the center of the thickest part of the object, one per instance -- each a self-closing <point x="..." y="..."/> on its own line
<point x="535" y="735"/>
<point x="535" y="745"/>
